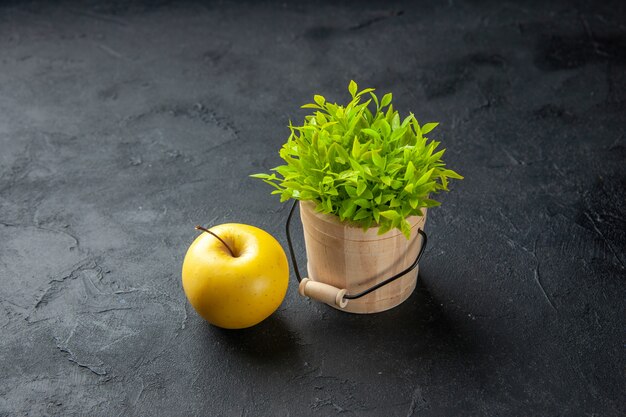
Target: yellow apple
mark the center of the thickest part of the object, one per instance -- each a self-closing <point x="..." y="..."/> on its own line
<point x="235" y="275"/>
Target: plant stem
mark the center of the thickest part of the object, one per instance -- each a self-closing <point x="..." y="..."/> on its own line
<point x="218" y="238"/>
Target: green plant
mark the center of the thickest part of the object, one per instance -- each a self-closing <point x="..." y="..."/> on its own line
<point x="365" y="166"/>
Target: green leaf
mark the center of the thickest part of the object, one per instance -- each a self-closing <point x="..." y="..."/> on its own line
<point x="431" y="203"/>
<point x="405" y="228"/>
<point x="389" y="214"/>
<point x="428" y="127"/>
<point x="341" y="152"/>
<point x="410" y="171"/>
<point x="328" y="205"/>
<point x="367" y="194"/>
<point x="326" y="125"/>
<point x="385" y="226"/>
<point x="351" y="191"/>
<point x="360" y="188"/>
<point x="390" y="113"/>
<point x="375" y="100"/>
<point x="424" y="177"/>
<point x="311" y="106"/>
<point x="349" y="176"/>
<point x="371" y="132"/>
<point x="352" y="87"/>
<point x="386" y="100"/>
<point x="357" y="167"/>
<point x="348" y="209"/>
<point x="387" y="197"/>
<point x="286" y="196"/>
<point x="367" y="90"/>
<point x="376" y="215"/>
<point x="378" y="160"/>
<point x="444" y="183"/>
<point x="356" y="148"/>
<point x="395" y="122"/>
<point x="385" y="128"/>
<point x="361" y="214"/>
<point x="416" y="127"/>
<point x="398" y="133"/>
<point x="320" y="100"/>
<point x="407" y="120"/>
<point x="451" y="174"/>
<point x="261" y="176"/>
<point x="436" y="157"/>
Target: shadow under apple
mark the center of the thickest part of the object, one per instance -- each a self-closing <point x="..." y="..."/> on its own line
<point x="271" y="341"/>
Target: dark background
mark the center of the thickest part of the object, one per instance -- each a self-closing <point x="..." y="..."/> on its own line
<point x="124" y="124"/>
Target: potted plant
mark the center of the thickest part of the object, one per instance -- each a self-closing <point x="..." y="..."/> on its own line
<point x="364" y="178"/>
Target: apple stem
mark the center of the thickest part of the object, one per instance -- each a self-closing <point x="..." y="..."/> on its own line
<point x="218" y="238"/>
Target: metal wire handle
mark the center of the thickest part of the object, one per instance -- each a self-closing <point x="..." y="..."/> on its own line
<point x="372" y="288"/>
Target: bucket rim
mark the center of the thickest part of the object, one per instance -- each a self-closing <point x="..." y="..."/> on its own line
<point x="345" y="229"/>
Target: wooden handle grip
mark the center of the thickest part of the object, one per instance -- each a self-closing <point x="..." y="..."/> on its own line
<point x="323" y="292"/>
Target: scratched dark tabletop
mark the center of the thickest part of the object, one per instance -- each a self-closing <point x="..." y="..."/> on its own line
<point x="125" y="124"/>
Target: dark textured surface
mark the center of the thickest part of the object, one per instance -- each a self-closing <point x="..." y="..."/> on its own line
<point x="123" y="125"/>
